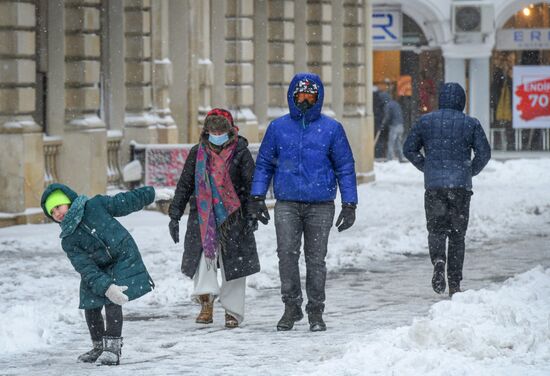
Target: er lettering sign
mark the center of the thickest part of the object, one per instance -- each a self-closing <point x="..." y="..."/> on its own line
<point x="387" y="27"/>
<point x="531" y="97"/>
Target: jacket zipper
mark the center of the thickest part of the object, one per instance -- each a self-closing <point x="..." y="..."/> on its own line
<point x="92" y="232"/>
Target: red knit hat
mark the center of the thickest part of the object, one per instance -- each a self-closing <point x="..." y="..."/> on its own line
<point x="221" y="112"/>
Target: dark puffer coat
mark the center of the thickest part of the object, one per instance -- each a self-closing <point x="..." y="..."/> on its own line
<point x="240" y="257"/>
<point x="101" y="249"/>
<point x="448" y="137"/>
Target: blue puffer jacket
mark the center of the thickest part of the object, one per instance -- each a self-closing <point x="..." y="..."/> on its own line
<point x="306" y="154"/>
<point x="100" y="248"/>
<point x="448" y="137"/>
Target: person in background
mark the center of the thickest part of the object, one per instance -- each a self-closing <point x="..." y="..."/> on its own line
<point x="440" y="145"/>
<point x="307" y="154"/>
<point x="106" y="256"/>
<point x="215" y="181"/>
<point x="393" y="121"/>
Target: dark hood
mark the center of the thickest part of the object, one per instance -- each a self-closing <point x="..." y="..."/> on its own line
<point x="314" y="112"/>
<point x="52" y="187"/>
<point x="452" y="96"/>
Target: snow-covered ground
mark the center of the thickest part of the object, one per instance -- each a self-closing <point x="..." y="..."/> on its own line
<point x="502" y="329"/>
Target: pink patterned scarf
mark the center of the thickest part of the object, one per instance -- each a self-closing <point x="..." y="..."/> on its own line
<point x="216" y="196"/>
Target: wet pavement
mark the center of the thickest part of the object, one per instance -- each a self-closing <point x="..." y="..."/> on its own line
<point x="386" y="294"/>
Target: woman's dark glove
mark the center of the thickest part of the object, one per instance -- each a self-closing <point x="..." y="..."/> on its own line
<point x="258" y="210"/>
<point x="346" y="218"/>
<point x="174" y="227"/>
<point x="251" y="225"/>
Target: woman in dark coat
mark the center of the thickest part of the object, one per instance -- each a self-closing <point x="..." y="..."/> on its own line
<point x="215" y="181"/>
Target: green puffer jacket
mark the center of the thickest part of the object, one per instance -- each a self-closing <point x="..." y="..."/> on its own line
<point x="99" y="247"/>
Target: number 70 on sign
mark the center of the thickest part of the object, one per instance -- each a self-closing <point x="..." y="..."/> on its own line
<point x="539" y="100"/>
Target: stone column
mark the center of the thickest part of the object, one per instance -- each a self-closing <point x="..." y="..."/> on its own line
<point x="83" y="158"/>
<point x="218" y="51"/>
<point x="55" y="98"/>
<point x="21" y="150"/>
<point x="162" y="73"/>
<point x="319" y="35"/>
<point x="479" y="91"/>
<point x="239" y="66"/>
<point x="179" y="22"/>
<point x="261" y="61"/>
<point x="281" y="55"/>
<point x="300" y="36"/>
<point x="365" y="162"/>
<point x="204" y="78"/>
<point x="339" y="53"/>
<point x="112" y="65"/>
<point x="140" y="121"/>
<point x="356" y="106"/>
<point x="455" y="70"/>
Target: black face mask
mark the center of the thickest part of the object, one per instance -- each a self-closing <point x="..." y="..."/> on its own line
<point x="304" y="106"/>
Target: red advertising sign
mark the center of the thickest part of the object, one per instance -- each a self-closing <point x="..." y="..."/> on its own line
<point x="531" y="97"/>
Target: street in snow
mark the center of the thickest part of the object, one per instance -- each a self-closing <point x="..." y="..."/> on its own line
<point x="382" y="315"/>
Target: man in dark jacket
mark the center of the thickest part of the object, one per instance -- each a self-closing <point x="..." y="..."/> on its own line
<point x="393" y="121"/>
<point x="448" y="137"/>
<point x="307" y="154"/>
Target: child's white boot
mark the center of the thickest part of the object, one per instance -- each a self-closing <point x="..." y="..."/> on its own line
<point x="112" y="349"/>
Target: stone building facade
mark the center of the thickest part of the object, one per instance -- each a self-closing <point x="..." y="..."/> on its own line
<point x="81" y="79"/>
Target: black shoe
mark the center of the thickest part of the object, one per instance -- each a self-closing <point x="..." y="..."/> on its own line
<point x="454" y="287"/>
<point x="438" y="279"/>
<point x="316" y="323"/>
<point x="92" y="355"/>
<point x="292" y="314"/>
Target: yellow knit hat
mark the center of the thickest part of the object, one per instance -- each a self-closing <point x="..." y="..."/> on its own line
<point x="56" y="198"/>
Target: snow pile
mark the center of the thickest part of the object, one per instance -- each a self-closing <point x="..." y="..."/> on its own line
<point x="487" y="332"/>
<point x="23" y="327"/>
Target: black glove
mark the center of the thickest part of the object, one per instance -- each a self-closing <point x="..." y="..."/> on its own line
<point x="258" y="210"/>
<point x="251" y="225"/>
<point x="346" y="218"/>
<point x="174" y="227"/>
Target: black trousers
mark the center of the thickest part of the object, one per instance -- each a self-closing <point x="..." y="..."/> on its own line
<point x="447" y="215"/>
<point x="113" y="317"/>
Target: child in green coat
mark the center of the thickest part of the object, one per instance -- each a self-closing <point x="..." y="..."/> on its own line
<point x="106" y="256"/>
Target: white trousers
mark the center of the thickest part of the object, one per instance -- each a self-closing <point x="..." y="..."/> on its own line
<point x="231" y="293"/>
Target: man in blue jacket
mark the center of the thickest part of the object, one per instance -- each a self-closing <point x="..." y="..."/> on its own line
<point x="307" y="154"/>
<point x="448" y="137"/>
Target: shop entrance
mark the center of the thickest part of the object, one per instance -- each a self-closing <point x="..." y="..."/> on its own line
<point x="411" y="75"/>
<point x="525" y="25"/>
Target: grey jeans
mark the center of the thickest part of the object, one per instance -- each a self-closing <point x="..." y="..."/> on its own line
<point x="292" y="219"/>
<point x="395" y="142"/>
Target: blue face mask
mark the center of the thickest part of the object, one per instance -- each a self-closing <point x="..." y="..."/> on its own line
<point x="218" y="140"/>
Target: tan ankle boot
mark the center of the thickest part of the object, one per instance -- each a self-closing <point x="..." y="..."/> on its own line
<point x="207" y="310"/>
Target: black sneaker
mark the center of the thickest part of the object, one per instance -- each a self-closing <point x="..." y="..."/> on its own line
<point x="438" y="279"/>
<point x="454" y="287"/>
<point x="316" y="323"/>
<point x="292" y="314"/>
